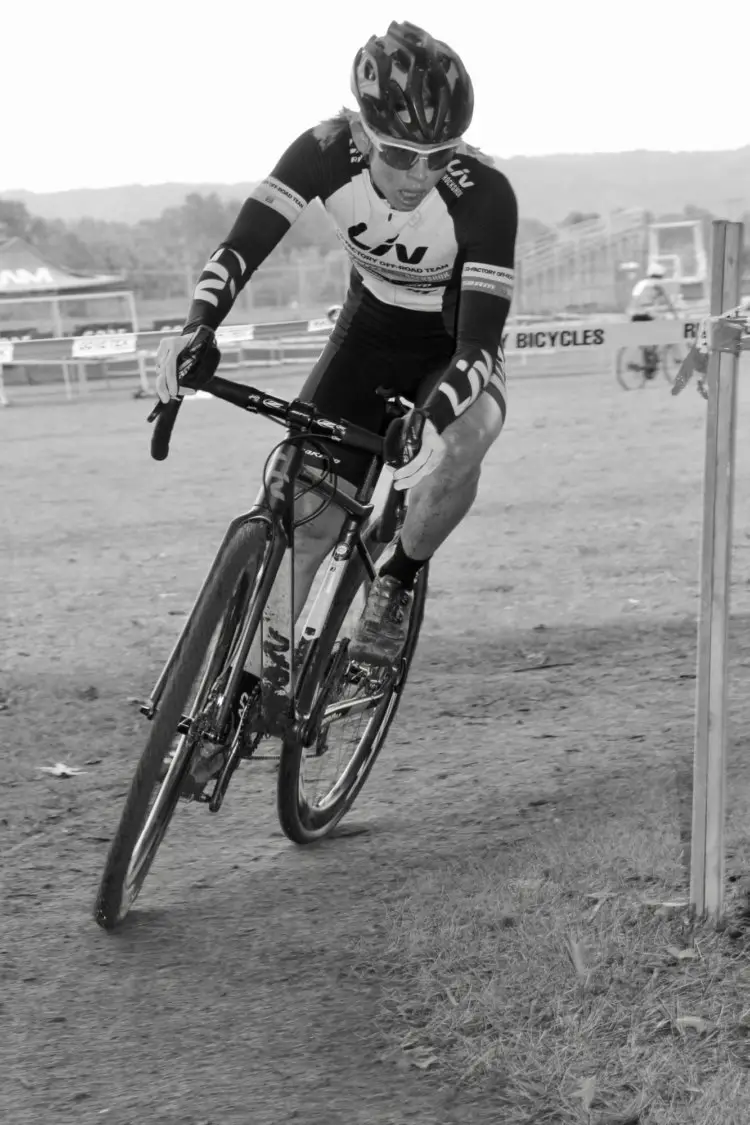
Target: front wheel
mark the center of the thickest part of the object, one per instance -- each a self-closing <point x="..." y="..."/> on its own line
<point x="181" y="725"/>
<point x="324" y="766"/>
<point x="670" y="362"/>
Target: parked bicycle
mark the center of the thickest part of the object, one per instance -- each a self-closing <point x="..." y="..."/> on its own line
<point x="330" y="713"/>
<point x="636" y="366"/>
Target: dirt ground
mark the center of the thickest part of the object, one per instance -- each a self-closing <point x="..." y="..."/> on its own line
<point x="554" y="683"/>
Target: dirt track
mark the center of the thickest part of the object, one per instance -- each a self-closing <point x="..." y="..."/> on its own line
<point x="236" y="995"/>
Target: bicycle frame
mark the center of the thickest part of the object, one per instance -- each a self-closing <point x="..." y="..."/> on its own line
<point x="273" y="588"/>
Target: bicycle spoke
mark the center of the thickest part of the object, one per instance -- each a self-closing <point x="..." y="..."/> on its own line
<point x="336" y="711"/>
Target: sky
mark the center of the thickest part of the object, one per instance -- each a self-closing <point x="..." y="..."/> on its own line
<point x="98" y="94"/>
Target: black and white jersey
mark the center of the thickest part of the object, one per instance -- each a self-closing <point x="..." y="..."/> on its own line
<point x="453" y="256"/>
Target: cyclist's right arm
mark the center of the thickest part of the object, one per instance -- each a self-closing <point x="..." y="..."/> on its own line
<point x="664" y="300"/>
<point x="299" y="176"/>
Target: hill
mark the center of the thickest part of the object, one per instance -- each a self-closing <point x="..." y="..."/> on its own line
<point x="127" y="204"/>
<point x="548" y="187"/>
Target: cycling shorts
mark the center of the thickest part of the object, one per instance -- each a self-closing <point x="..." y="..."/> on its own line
<point x="375" y="345"/>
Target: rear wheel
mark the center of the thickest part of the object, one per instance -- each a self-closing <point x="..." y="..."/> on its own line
<point x="182" y="724"/>
<point x="323" y="768"/>
<point x="630" y="368"/>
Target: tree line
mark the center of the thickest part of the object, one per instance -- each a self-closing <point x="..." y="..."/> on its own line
<point x="162" y="257"/>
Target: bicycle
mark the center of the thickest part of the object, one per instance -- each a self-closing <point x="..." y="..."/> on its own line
<point x="637" y="365"/>
<point x="309" y="689"/>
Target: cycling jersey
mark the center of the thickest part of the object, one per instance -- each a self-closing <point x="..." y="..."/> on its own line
<point x="458" y="243"/>
<point x="648" y="297"/>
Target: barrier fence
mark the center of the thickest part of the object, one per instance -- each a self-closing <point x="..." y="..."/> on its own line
<point x="303" y="340"/>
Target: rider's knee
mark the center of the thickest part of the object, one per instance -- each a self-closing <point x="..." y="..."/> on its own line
<point x="320" y="531"/>
<point x="460" y="467"/>
<point x="467" y="442"/>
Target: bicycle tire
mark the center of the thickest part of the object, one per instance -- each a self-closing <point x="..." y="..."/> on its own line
<point x="300" y="821"/>
<point x="630" y="374"/>
<point x="123" y="876"/>
<point x="669" y="362"/>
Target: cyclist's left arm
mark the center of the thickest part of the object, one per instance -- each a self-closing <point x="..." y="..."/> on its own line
<point x="488" y="252"/>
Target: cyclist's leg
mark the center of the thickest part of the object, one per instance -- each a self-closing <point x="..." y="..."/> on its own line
<point x="437" y="505"/>
<point x="372" y="345"/>
<point x="341" y="385"/>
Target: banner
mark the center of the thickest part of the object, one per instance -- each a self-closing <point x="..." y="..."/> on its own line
<point x="598" y="336"/>
<point x="100" y="347"/>
<point x="234" y="334"/>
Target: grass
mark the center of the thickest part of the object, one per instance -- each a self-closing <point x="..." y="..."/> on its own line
<point x="566" y="979"/>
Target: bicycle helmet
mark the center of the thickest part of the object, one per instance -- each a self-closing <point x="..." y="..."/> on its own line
<point x="655" y="269"/>
<point x="411" y="87"/>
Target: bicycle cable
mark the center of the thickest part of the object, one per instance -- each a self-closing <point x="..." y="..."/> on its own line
<point x="328" y="474"/>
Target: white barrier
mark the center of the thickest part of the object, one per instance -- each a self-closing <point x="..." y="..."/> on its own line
<point x="301" y="339"/>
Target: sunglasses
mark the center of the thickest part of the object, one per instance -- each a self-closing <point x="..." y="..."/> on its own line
<point x="403" y="158"/>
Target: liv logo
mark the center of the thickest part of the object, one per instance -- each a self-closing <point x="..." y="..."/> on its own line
<point x="402" y="253"/>
<point x="459" y="174"/>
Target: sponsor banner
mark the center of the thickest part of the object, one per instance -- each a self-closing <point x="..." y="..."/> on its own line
<point x="234" y="333"/>
<point x="590" y="336"/>
<point x="25" y="279"/>
<point x="19" y="334"/>
<point x="322" y="324"/>
<point x="113" y="327"/>
<point x="99" y="347"/>
<point x="6" y="351"/>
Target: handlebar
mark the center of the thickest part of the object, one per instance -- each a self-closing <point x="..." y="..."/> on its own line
<point x="195" y="369"/>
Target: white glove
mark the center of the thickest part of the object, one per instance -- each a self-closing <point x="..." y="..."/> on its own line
<point x="167" y="384"/>
<point x="424" y="459"/>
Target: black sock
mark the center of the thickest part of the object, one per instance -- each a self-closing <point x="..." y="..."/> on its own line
<point x="401" y="567"/>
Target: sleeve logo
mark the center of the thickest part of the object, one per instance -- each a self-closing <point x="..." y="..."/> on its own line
<point x="279" y="197"/>
<point x="494" y="280"/>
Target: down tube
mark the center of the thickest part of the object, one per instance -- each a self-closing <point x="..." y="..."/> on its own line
<point x="278" y="615"/>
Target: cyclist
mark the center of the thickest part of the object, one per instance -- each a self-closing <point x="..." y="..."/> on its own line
<point x="649" y="300"/>
<point x="429" y="225"/>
